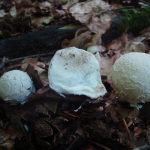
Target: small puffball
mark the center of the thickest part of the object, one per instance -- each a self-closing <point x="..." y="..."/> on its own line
<point x="130" y="76"/>
<point x="75" y="71"/>
<point x="94" y="51"/>
<point x="15" y="87"/>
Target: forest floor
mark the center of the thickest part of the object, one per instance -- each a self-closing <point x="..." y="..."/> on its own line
<point x="31" y="32"/>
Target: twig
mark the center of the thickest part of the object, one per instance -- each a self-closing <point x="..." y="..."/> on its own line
<point x="31" y="56"/>
<point x="127" y="129"/>
<point x="4" y="61"/>
<point x="100" y="145"/>
<point x="75" y="143"/>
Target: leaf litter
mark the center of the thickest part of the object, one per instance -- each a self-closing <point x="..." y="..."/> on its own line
<point x="49" y="121"/>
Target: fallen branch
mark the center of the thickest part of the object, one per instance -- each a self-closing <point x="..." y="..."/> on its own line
<point x="7" y="62"/>
<point x="44" y="41"/>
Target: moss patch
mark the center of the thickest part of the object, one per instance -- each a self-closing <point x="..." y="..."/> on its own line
<point x="135" y="20"/>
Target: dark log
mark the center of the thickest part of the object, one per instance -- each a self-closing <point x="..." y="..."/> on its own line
<point x="44" y="41"/>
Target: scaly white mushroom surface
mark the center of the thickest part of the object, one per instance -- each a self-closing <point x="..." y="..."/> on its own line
<point x="15" y="87"/>
<point x="131" y="77"/>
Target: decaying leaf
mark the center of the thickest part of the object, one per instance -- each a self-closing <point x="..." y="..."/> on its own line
<point x="107" y="62"/>
<point x="7" y="145"/>
<point x="43" y="143"/>
<point x="42" y="129"/>
<point x="82" y="11"/>
<point x="119" y="43"/>
<point x="38" y="66"/>
<point x="34" y="75"/>
<point x="39" y="22"/>
<point x="40" y="73"/>
<point x="58" y="123"/>
<point x="8" y="136"/>
<point x="51" y="105"/>
<point x="69" y="3"/>
<point x="135" y="142"/>
<point x="93" y="14"/>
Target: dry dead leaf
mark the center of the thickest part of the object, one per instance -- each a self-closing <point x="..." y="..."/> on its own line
<point x="101" y="129"/>
<point x="34" y="75"/>
<point x="134" y="143"/>
<point x="4" y="135"/>
<point x="41" y="109"/>
<point x="38" y="66"/>
<point x="119" y="43"/>
<point x="50" y="105"/>
<point x="58" y="124"/>
<point x="36" y="71"/>
<point x="127" y="45"/>
<point x="82" y="10"/>
<point x="80" y="131"/>
<point x="15" y="132"/>
<point x="39" y="22"/>
<point x="32" y="110"/>
<point x="47" y="93"/>
<point x="136" y="45"/>
<point x="43" y="90"/>
<point x="128" y="112"/>
<point x="100" y="22"/>
<point x="69" y="3"/>
<point x="24" y="66"/>
<point x="8" y="145"/>
<point x="107" y="62"/>
<point x="42" y="129"/>
<point x="92" y="14"/>
<point x="44" y="78"/>
<point x="43" y="143"/>
<point x="137" y="132"/>
<point x="112" y="113"/>
<point x="7" y="137"/>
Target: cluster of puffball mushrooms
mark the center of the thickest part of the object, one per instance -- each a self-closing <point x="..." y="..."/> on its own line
<point x="79" y="74"/>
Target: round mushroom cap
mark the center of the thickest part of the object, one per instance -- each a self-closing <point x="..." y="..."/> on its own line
<point x="75" y="71"/>
<point x="15" y="87"/>
<point x="131" y="77"/>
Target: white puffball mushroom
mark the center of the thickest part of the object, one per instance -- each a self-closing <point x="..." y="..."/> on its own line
<point x="75" y="71"/>
<point x="131" y="77"/>
<point x="15" y="87"/>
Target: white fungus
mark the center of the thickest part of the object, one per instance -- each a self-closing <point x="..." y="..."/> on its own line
<point x="75" y="71"/>
<point x="15" y="87"/>
<point x="131" y="77"/>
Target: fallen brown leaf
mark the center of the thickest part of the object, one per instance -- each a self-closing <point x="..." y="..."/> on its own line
<point x="42" y="129"/>
<point x="38" y="66"/>
<point x="107" y="62"/>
